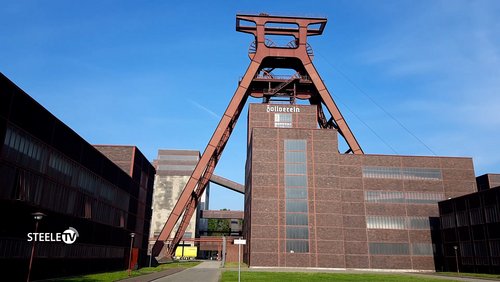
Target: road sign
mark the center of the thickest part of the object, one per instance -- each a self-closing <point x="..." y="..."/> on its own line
<point x="240" y="241"/>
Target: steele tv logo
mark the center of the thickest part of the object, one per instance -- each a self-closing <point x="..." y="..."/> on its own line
<point x="68" y="236"/>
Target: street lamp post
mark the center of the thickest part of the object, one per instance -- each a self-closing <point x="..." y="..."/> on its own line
<point x="456" y="258"/>
<point x="37" y="216"/>
<point x="132" y="235"/>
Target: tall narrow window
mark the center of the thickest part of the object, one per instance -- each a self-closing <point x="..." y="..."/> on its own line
<point x="297" y="230"/>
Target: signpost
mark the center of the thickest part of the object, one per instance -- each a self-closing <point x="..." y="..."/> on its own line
<point x="239" y="242"/>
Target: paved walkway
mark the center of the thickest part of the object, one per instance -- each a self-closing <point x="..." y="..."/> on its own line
<point x="207" y="271"/>
<point x="153" y="276"/>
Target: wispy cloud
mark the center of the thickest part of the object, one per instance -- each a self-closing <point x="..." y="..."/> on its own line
<point x="207" y="110"/>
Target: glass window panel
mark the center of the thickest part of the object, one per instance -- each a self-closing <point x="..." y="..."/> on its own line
<point x="296" y="219"/>
<point x="400" y="197"/>
<point x="295" y="157"/>
<point x="402" y="173"/>
<point x="8" y="135"/>
<point x="17" y="141"/>
<point x="13" y="136"/>
<point x="491" y="214"/>
<point x="34" y="151"/>
<point x="295" y="181"/>
<point x="389" y="248"/>
<point x="280" y="117"/>
<point x="385" y="222"/>
<point x="422" y="249"/>
<point x="296" y="206"/>
<point x="21" y="145"/>
<point x="293" y="232"/>
<point x="384" y="197"/>
<point x="297" y="246"/>
<point x="419" y="223"/>
<point x="462" y="218"/>
<point x="295" y="145"/>
<point x="28" y="147"/>
<point x="466" y="249"/>
<point x="423" y="198"/>
<point x="476" y="216"/>
<point x="295" y="168"/>
<point x="447" y="221"/>
<point x="495" y="248"/>
<point x="412" y="173"/>
<point x="282" y="120"/>
<point x="480" y="249"/>
<point x="296" y="193"/>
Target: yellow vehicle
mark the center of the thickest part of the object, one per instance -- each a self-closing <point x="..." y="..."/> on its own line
<point x="186" y="252"/>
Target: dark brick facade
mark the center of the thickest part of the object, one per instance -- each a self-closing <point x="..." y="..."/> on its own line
<point x="471" y="223"/>
<point x="47" y="167"/>
<point x="363" y="211"/>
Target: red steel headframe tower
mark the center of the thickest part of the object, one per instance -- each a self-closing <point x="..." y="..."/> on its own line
<point x="260" y="82"/>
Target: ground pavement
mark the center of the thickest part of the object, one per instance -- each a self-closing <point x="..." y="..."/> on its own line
<point x="207" y="271"/>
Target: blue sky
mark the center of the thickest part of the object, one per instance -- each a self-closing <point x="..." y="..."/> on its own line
<point x="159" y="75"/>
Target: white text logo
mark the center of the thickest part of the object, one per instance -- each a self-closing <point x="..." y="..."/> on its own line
<point x="278" y="109"/>
<point x="68" y="236"/>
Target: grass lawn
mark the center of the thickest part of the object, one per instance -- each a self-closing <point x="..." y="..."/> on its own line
<point x="235" y="265"/>
<point x="122" y="274"/>
<point x="248" y="276"/>
<point x="474" y="275"/>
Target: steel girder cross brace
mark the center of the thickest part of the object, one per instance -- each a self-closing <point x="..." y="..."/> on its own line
<point x="188" y="200"/>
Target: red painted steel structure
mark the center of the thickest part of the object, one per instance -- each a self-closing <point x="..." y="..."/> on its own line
<point x="260" y="82"/>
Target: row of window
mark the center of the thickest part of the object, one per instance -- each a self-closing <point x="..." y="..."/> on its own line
<point x="476" y="253"/>
<point x="12" y="248"/>
<point x="35" y="189"/>
<point x="297" y="232"/>
<point x="22" y="149"/>
<point x="403" y="197"/>
<point x="406" y="173"/>
<point x="178" y="158"/>
<point x="397" y="222"/>
<point x="417" y="249"/>
<point x="490" y="214"/>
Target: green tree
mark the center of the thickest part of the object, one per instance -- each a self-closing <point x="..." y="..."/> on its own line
<point x="219" y="226"/>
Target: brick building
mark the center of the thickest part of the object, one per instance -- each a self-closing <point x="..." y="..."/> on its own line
<point x="306" y="205"/>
